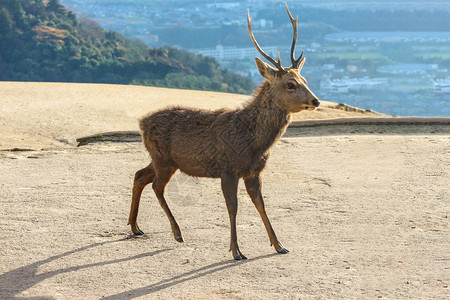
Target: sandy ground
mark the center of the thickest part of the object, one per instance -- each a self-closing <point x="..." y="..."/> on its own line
<point x="364" y="216"/>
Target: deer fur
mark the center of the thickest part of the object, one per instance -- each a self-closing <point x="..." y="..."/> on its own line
<point x="225" y="144"/>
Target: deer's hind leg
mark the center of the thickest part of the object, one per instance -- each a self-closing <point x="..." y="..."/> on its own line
<point x="141" y="179"/>
<point x="253" y="186"/>
<point x="164" y="172"/>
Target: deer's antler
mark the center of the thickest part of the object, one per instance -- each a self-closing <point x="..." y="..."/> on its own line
<point x="295" y="62"/>
<point x="270" y="59"/>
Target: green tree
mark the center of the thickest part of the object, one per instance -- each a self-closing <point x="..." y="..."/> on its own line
<point x="44" y="42"/>
<point x="55" y="6"/>
<point x="6" y="23"/>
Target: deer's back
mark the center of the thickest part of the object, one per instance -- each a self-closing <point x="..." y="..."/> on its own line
<point x="201" y="142"/>
<point x="182" y="126"/>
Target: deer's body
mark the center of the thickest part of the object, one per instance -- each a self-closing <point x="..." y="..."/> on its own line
<point x="225" y="144"/>
<point x="208" y="143"/>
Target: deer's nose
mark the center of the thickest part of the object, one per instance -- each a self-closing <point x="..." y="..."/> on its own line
<point x="316" y="102"/>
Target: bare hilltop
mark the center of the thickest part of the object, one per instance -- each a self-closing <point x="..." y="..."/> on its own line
<point x="43" y="115"/>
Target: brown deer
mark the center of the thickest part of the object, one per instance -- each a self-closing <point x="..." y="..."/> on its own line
<point x="225" y="144"/>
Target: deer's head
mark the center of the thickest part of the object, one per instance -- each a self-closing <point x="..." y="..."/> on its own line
<point x="291" y="89"/>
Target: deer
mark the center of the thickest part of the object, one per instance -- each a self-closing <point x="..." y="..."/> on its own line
<point x="225" y="143"/>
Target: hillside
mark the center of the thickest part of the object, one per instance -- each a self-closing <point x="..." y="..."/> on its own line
<point x="42" y="41"/>
<point x="41" y="115"/>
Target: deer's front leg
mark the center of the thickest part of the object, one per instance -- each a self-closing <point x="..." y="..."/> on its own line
<point x="229" y="189"/>
<point x="253" y="186"/>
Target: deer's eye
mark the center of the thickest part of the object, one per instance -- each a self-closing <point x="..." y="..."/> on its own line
<point x="291" y="86"/>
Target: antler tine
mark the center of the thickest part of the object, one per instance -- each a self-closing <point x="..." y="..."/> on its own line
<point x="270" y="59"/>
<point x="295" y="62"/>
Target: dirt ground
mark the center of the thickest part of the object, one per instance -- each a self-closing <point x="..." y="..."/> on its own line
<point x="364" y="217"/>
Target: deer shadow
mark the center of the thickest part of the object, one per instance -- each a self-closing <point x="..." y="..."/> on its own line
<point x="18" y="280"/>
<point x="184" y="277"/>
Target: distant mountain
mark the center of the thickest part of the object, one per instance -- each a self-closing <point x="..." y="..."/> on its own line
<point x="42" y="41"/>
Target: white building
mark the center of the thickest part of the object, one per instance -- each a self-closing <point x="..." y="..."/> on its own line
<point x="442" y="86"/>
<point x="229" y="53"/>
<point x="224" y="5"/>
<point x="409" y="69"/>
<point x="346" y="85"/>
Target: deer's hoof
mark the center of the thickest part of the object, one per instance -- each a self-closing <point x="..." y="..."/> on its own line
<point x="239" y="256"/>
<point x="138" y="232"/>
<point x="179" y="239"/>
<point x="283" y="251"/>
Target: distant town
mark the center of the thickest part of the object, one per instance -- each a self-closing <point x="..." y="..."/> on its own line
<point x="363" y="55"/>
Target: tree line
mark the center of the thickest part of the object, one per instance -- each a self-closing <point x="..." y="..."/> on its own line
<point x="42" y="41"/>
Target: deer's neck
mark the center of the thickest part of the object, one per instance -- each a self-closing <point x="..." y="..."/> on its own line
<point x="264" y="119"/>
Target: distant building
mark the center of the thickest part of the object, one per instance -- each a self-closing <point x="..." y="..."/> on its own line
<point x="442" y="86"/>
<point x="442" y="93"/>
<point x="389" y="36"/>
<point x="229" y="53"/>
<point x="409" y="69"/>
<point x="347" y="85"/>
<point x="224" y="5"/>
<point x="334" y="86"/>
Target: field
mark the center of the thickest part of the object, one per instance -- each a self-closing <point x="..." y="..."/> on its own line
<point x="364" y="215"/>
<point x="429" y="51"/>
<point x="440" y="55"/>
<point x="352" y="55"/>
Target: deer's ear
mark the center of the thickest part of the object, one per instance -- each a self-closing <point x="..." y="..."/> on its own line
<point x="300" y="66"/>
<point x="265" y="70"/>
